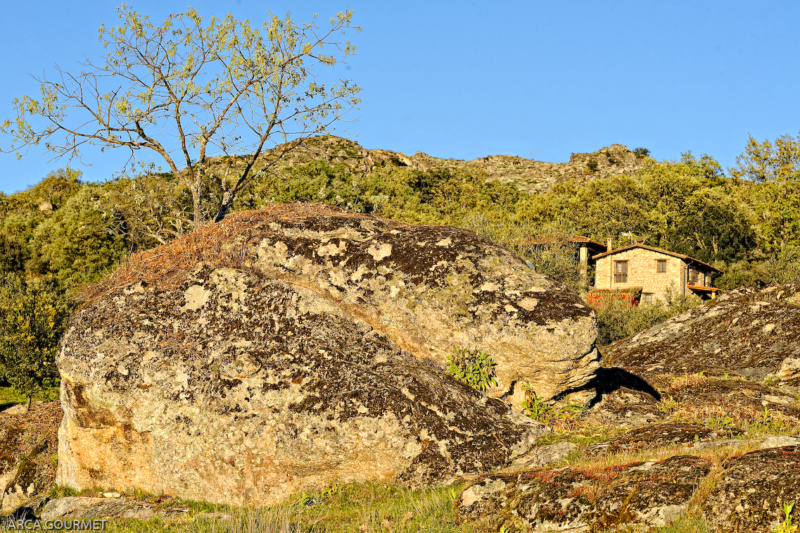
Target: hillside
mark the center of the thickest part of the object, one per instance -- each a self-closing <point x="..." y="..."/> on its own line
<point x="527" y="174"/>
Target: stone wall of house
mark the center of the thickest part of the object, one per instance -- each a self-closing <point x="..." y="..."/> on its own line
<point x="643" y="272"/>
<point x="698" y="277"/>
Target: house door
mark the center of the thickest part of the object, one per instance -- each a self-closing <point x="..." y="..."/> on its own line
<point x="620" y="272"/>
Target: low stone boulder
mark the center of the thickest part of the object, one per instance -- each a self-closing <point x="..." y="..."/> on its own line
<point x="574" y="499"/>
<point x="291" y="348"/>
<point x="83" y="508"/>
<point x="659" y="435"/>
<point x="639" y="396"/>
<point x="754" y="333"/>
<point x="751" y="490"/>
<point x="288" y="394"/>
<point x="430" y="289"/>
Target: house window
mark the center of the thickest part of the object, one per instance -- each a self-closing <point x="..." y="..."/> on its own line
<point x="620" y="272"/>
<point x="661" y="265"/>
<point x="648" y="298"/>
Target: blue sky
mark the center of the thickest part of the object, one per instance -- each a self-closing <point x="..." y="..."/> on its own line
<point x="538" y="79"/>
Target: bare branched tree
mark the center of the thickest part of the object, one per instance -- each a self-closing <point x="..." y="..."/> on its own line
<point x="189" y="92"/>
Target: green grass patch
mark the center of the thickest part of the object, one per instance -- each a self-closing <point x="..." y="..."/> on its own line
<point x="10" y="397"/>
<point x="372" y="507"/>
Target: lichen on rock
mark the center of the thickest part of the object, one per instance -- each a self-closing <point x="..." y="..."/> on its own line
<point x="574" y="499"/>
<point x="282" y="350"/>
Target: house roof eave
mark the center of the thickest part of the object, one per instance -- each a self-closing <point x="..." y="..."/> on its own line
<point x="658" y="250"/>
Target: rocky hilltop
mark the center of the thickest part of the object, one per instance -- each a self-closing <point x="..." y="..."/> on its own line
<point x="528" y="175"/>
<point x="290" y="348"/>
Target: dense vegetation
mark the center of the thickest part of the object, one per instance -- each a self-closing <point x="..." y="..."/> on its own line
<point x="69" y="232"/>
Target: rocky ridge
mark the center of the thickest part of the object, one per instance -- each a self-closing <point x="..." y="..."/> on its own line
<point x="528" y="175"/>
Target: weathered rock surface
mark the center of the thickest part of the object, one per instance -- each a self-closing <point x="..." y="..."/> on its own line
<point x="429" y="289"/>
<point x="304" y="366"/>
<point x="74" y="507"/>
<point x="635" y="397"/>
<point x="751" y="490"/>
<point x="658" y="435"/>
<point x="751" y="332"/>
<point x="572" y="499"/>
<point x="28" y="443"/>
<point x="693" y="385"/>
<point x="543" y="455"/>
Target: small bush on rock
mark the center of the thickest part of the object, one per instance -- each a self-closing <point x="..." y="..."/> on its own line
<point x="473" y="367"/>
<point x="786" y="526"/>
<point x="560" y="418"/>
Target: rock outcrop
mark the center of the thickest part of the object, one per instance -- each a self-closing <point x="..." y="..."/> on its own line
<point x="297" y="346"/>
<point x="750" y="332"/>
<point x="650" y="494"/>
<point x="751" y="490"/>
<point x="711" y="395"/>
<point x="527" y="175"/>
<point x="83" y="508"/>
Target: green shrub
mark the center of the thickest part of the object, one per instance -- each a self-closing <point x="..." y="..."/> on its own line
<point x="784" y="266"/>
<point x="559" y="418"/>
<point x="473" y="367"/>
<point x="591" y="165"/>
<point x="545" y="247"/>
<point x="786" y="526"/>
<point x="33" y="315"/>
<point x="618" y="319"/>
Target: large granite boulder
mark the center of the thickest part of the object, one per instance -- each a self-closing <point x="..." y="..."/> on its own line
<point x="286" y="349"/>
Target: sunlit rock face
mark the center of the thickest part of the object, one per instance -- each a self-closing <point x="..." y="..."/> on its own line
<point x="286" y="349"/>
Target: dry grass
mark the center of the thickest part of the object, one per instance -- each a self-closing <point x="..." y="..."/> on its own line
<point x="225" y="244"/>
<point x="367" y="507"/>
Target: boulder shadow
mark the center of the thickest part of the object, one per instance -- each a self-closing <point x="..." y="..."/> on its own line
<point x="608" y="380"/>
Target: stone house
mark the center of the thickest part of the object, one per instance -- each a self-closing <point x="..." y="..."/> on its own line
<point x="654" y="271"/>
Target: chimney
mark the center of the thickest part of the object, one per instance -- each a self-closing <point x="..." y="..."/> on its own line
<point x="608" y="245"/>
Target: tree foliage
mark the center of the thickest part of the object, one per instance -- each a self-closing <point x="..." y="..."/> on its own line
<point x="217" y="88"/>
<point x="769" y="162"/>
<point x="618" y="319"/>
<point x="80" y="241"/>
<point x="747" y="228"/>
<point x="33" y="315"/>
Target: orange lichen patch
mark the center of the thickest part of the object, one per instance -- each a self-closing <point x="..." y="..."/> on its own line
<point x="224" y="244"/>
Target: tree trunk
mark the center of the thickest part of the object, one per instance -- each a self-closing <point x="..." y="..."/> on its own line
<point x="198" y="212"/>
<point x="28" y="406"/>
<point x="224" y="206"/>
